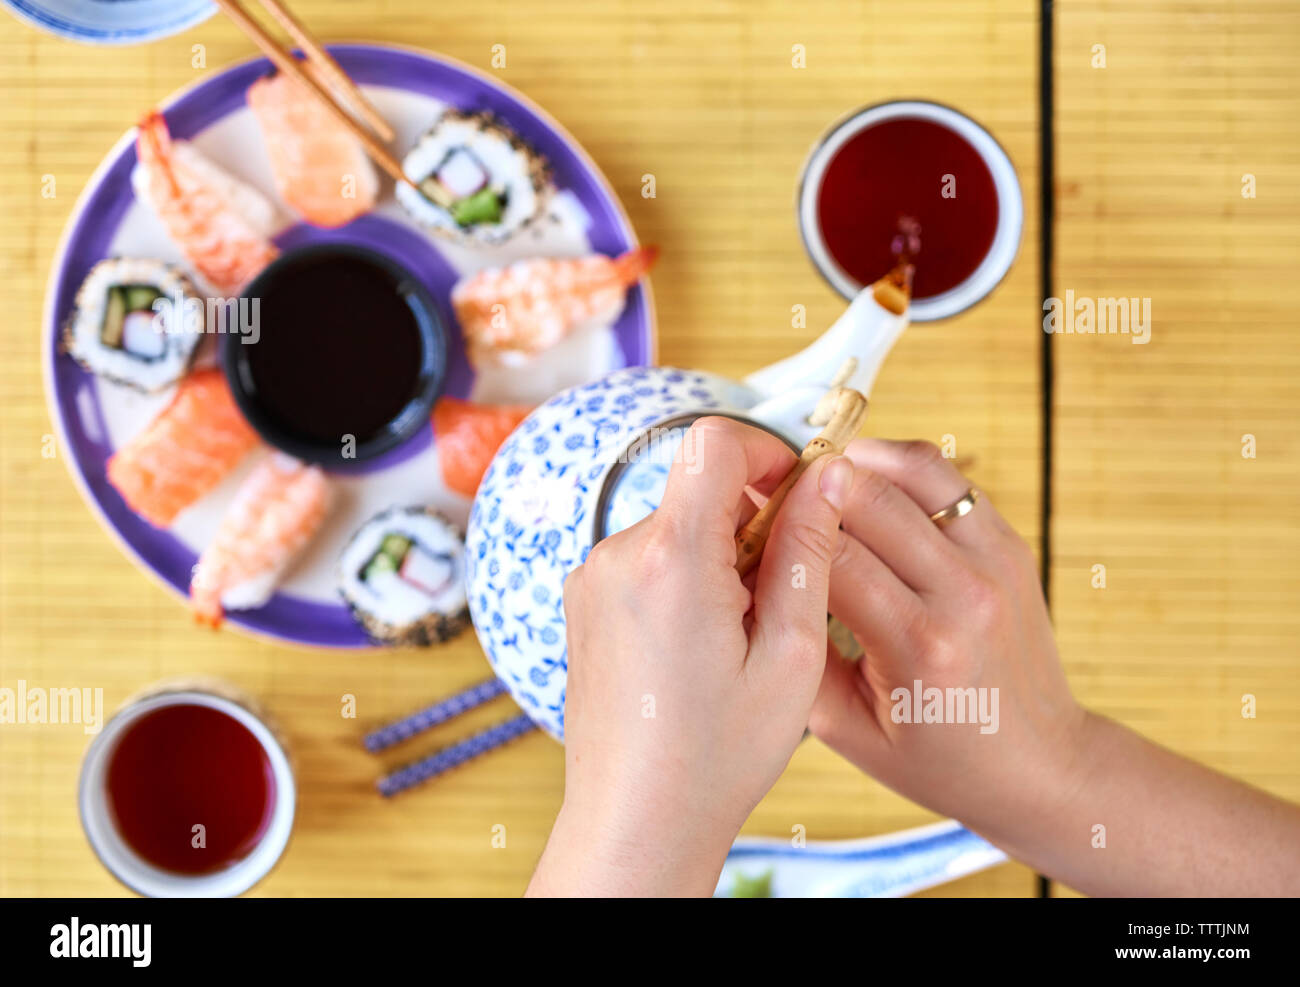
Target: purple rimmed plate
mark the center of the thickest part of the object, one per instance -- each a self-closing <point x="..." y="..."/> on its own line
<point x="409" y="87"/>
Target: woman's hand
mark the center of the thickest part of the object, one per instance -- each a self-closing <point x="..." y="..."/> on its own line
<point x="959" y="609"/>
<point x="687" y="689"/>
<point x="952" y="608"/>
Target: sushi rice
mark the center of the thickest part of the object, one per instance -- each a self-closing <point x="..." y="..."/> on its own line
<point x="403" y="576"/>
<point x="125" y="325"/>
<point x="498" y="184"/>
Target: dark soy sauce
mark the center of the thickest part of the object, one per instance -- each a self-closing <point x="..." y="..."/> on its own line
<point x="187" y="765"/>
<point x="890" y="177"/>
<point x="340" y="349"/>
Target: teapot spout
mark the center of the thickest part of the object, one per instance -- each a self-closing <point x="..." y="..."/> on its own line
<point x="849" y="354"/>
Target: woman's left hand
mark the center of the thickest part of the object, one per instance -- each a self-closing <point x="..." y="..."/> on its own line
<point x="689" y="689"/>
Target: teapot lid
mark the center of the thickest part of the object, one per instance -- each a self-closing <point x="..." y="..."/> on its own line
<point x="635" y="485"/>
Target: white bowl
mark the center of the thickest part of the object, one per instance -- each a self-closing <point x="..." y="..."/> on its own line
<point x="140" y="875"/>
<point x="1011" y="209"/>
<point x="116" y="22"/>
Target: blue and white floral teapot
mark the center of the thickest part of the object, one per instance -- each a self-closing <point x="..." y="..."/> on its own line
<point x="594" y="459"/>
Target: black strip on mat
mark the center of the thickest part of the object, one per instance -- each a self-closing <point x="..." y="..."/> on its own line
<point x="1046" y="221"/>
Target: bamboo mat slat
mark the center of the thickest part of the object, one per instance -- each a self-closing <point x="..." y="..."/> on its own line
<point x="1201" y="546"/>
<point x="701" y="95"/>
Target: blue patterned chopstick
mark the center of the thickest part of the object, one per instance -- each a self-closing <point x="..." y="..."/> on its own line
<point x="455" y="755"/>
<point x="431" y="716"/>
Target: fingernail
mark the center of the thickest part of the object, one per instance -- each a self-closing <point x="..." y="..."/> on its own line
<point x="836" y="481"/>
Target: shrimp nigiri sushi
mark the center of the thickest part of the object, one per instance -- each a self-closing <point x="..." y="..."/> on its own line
<point x="184" y="452"/>
<point x="274" y="514"/>
<point x="221" y="225"/>
<point x="508" y="314"/>
<point x="320" y="168"/>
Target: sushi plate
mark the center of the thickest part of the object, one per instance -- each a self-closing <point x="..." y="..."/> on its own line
<point x="410" y="88"/>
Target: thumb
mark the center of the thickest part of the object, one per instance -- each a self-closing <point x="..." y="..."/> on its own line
<point x="790" y="595"/>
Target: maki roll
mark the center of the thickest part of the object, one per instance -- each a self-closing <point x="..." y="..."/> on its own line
<point x="403" y="576"/>
<point x="131" y="323"/>
<point x="479" y="182"/>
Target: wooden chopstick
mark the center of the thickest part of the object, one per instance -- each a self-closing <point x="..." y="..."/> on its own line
<point x="286" y="62"/>
<point x="846" y="421"/>
<point x="324" y="62"/>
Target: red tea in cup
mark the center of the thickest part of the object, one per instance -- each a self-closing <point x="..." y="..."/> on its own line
<point x="187" y="791"/>
<point x="935" y="180"/>
<point x="179" y="768"/>
<point x="919" y="178"/>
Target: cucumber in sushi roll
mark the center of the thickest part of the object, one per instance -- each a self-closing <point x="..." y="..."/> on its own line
<point x="126" y="325"/>
<point x="479" y="181"/>
<point x="403" y="576"/>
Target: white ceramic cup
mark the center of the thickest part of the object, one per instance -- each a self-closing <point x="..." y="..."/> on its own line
<point x="140" y="875"/>
<point x="1011" y="208"/>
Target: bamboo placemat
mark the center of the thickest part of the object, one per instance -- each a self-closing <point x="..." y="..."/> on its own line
<point x="703" y="96"/>
<point x="1201" y="545"/>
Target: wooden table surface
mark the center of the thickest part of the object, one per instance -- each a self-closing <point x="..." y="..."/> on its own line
<point x="1200" y="545"/>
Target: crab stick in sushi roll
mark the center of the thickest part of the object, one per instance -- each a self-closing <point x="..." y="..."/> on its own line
<point x="403" y="577"/>
<point x="474" y="180"/>
<point x="129" y="323"/>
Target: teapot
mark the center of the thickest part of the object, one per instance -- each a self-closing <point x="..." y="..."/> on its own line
<point x="594" y="459"/>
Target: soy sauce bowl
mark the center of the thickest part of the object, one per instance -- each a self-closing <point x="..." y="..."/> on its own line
<point x="335" y="353"/>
